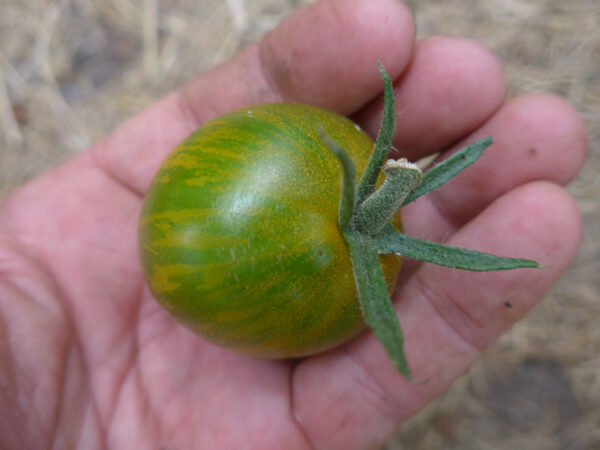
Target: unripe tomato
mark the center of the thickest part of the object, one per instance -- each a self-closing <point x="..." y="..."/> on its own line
<point x="239" y="235"/>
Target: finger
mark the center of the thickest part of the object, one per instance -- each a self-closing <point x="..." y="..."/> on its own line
<point x="448" y="318"/>
<point x="536" y="137"/>
<point x="324" y="54"/>
<point x="451" y="87"/>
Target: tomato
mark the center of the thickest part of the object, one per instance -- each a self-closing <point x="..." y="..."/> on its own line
<point x="273" y="230"/>
<point x="239" y="235"/>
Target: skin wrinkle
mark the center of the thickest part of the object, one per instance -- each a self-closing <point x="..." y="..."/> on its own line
<point x="134" y="218"/>
<point x="429" y="294"/>
<point x="134" y="378"/>
<point x="9" y="277"/>
<point x="98" y="162"/>
<point x="256" y="78"/>
<point x="186" y="110"/>
<point x="76" y="348"/>
<point x="152" y="411"/>
<point x="371" y="383"/>
<point x="294" y="413"/>
<point x="185" y="415"/>
<point x="133" y="365"/>
<point x="55" y="415"/>
<point x="63" y="413"/>
<point x="38" y="266"/>
<point x="61" y="397"/>
<point x="267" y="71"/>
<point x="170" y="326"/>
<point x="11" y="388"/>
<point x="275" y="74"/>
<point x="336" y="12"/>
<point x="4" y="337"/>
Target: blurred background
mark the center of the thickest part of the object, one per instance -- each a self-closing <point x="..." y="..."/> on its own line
<point x="71" y="70"/>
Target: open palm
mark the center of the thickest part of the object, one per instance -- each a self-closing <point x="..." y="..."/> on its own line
<point x="90" y="359"/>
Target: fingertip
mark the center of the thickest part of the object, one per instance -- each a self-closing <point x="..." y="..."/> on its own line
<point x="550" y="222"/>
<point x="555" y="124"/>
<point x="536" y="137"/>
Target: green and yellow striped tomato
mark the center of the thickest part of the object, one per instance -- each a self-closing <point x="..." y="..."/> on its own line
<point x="239" y="235"/>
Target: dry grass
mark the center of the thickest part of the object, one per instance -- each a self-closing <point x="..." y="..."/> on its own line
<point x="71" y="70"/>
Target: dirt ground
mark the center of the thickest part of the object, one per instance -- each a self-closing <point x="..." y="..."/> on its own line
<point x="71" y="70"/>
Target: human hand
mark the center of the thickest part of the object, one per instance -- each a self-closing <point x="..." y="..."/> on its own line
<point x="90" y="359"/>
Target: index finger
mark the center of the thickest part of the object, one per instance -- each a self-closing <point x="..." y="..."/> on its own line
<point x="325" y="54"/>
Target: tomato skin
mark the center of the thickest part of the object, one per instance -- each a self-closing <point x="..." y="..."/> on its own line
<point x="238" y="233"/>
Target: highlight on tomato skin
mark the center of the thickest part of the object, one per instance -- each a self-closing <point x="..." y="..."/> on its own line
<point x="239" y="238"/>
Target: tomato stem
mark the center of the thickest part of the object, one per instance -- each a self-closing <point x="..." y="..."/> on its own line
<point x="379" y="207"/>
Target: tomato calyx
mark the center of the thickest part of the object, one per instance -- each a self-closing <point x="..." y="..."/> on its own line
<point x="364" y="219"/>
